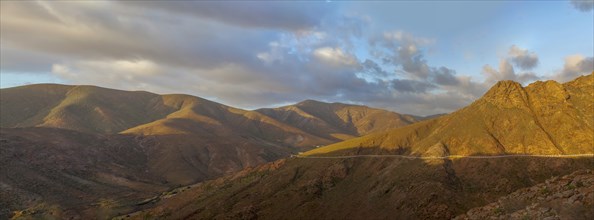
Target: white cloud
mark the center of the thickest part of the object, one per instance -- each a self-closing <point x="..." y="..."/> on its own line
<point x="335" y="56"/>
<point x="506" y="72"/>
<point x="575" y="65"/>
<point x="122" y="74"/>
<point x="518" y="57"/>
<point x="523" y="58"/>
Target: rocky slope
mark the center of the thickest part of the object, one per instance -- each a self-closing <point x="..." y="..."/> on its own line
<point x="566" y="197"/>
<point x="57" y="170"/>
<point x="363" y="188"/>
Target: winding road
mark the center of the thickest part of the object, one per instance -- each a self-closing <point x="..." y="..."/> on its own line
<point x="443" y="157"/>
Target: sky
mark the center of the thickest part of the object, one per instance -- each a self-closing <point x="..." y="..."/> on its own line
<point x="415" y="57"/>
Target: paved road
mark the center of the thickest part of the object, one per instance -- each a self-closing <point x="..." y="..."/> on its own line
<point x="444" y="157"/>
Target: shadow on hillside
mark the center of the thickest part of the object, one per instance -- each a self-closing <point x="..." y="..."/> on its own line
<point x="357" y="188"/>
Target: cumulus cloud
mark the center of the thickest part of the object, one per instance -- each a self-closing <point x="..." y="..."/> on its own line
<point x="575" y="65"/>
<point x="406" y="51"/>
<point x="516" y="57"/>
<point x="335" y="56"/>
<point x="411" y="86"/>
<point x="522" y="58"/>
<point x="506" y="72"/>
<point x="583" y="5"/>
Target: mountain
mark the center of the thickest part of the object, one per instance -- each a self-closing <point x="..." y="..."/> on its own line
<point x="201" y="117"/>
<point x="81" y="108"/>
<point x="337" y="121"/>
<point x="544" y="119"/>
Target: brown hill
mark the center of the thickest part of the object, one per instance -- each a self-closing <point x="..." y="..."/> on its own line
<point x="543" y="118"/>
<point x="337" y="121"/>
<point x="201" y="117"/>
<point x="81" y="108"/>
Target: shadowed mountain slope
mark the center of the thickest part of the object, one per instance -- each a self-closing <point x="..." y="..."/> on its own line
<point x="56" y="169"/>
<point x="69" y="171"/>
<point x="566" y="197"/>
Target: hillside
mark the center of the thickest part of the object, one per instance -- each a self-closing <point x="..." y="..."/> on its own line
<point x="566" y="197"/>
<point x="201" y="117"/>
<point x="337" y="121"/>
<point x="56" y="170"/>
<point x="543" y="118"/>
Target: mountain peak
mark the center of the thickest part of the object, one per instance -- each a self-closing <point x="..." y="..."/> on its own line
<point x="504" y="87"/>
<point x="506" y="93"/>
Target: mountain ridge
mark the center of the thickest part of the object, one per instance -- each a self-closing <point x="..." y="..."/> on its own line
<point x="559" y="122"/>
<point x="102" y="110"/>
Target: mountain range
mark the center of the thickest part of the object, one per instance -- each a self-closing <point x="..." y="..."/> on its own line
<point x="91" y="152"/>
<point x="111" y="140"/>
<point x="445" y="169"/>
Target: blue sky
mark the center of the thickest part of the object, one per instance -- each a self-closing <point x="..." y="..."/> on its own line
<point x="420" y="57"/>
